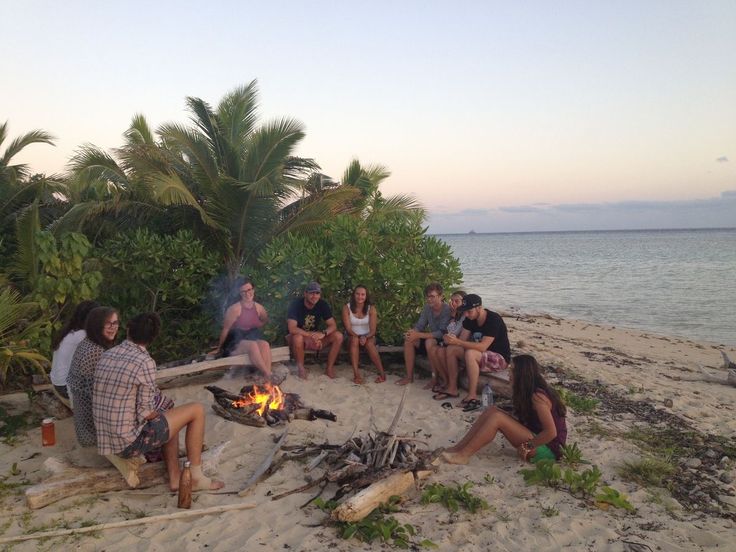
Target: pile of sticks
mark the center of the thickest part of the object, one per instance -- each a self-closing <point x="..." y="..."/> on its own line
<point x="378" y="465"/>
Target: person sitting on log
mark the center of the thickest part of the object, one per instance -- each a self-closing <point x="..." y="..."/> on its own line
<point x="484" y="345"/>
<point x="426" y="334"/>
<point x="539" y="429"/>
<point x="438" y="383"/>
<point x="101" y="329"/>
<point x="129" y="417"/>
<point x="360" y="319"/>
<point x="303" y="320"/>
<point x="64" y="344"/>
<point x="242" y="329"/>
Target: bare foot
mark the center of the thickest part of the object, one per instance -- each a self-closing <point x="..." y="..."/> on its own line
<point x="404" y="381"/>
<point x="381" y="378"/>
<point x="454" y="458"/>
<point x="331" y="372"/>
<point x="430" y="385"/>
<point x="207" y="484"/>
<point x="301" y="372"/>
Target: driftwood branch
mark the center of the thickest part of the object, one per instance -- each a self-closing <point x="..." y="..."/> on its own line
<point x="129" y="522"/>
<point x="69" y="480"/>
<point x="263" y="468"/>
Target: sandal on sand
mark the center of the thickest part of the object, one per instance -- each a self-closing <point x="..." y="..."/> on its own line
<point x="472" y="404"/>
<point x="380" y="379"/>
<point x="438" y="388"/>
<point x="443" y="395"/>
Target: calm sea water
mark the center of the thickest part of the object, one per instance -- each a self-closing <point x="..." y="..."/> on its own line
<point x="674" y="282"/>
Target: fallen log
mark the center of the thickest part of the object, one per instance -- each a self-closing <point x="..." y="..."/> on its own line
<point x="69" y="480"/>
<point x="278" y="354"/>
<point x="128" y="523"/>
<point x="363" y="503"/>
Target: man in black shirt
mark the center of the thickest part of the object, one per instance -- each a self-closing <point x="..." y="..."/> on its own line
<point x="483" y="343"/>
<point x="304" y="318"/>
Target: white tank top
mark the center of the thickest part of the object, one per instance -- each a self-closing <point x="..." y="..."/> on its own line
<point x="361" y="326"/>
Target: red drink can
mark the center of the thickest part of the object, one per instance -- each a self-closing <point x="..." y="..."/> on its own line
<point x="48" y="432"/>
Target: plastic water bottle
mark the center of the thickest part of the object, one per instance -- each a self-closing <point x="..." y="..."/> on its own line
<point x="185" y="486"/>
<point x="487" y="396"/>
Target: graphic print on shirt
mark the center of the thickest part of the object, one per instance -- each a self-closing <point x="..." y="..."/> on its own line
<point x="309" y="322"/>
<point x="477" y="337"/>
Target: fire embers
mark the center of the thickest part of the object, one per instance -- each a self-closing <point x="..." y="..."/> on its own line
<point x="258" y="405"/>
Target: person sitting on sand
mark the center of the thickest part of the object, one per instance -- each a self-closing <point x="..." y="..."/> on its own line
<point x="303" y="320"/>
<point x="484" y="345"/>
<point x="128" y="417"/>
<point x="64" y="344"/>
<point x="438" y="383"/>
<point x="427" y="332"/>
<point x="101" y="329"/>
<point x="360" y="319"/>
<point x="241" y="329"/>
<point x="537" y="432"/>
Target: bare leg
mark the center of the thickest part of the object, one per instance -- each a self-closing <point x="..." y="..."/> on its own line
<point x="335" y="342"/>
<point x="297" y="349"/>
<point x="265" y="349"/>
<point x="410" y="354"/>
<point x="374" y="355"/>
<point x="483" y="432"/>
<point x="191" y="416"/>
<point x="472" y="367"/>
<point x="354" y="347"/>
<point x="441" y="363"/>
<point x="454" y="354"/>
<point x="254" y="352"/>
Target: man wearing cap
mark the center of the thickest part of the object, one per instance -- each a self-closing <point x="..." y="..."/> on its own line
<point x="484" y="345"/>
<point x="304" y="318"/>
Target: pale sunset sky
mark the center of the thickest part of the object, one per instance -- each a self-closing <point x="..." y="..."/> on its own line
<point x="497" y="116"/>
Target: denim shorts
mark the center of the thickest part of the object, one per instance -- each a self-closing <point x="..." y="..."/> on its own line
<point x="153" y="436"/>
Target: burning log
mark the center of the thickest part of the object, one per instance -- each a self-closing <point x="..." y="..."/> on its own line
<point x="260" y="405"/>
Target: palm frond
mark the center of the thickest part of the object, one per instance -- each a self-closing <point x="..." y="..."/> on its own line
<point x="139" y="132"/>
<point x="268" y="147"/>
<point x="170" y="190"/>
<point x="32" y="137"/>
<point x="92" y="163"/>
<point x="237" y="113"/>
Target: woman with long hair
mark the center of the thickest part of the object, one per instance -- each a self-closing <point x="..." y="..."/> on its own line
<point x="102" y="327"/>
<point x="360" y="319"/>
<point x="242" y="328"/>
<point x="65" y="343"/>
<point x="538" y="429"/>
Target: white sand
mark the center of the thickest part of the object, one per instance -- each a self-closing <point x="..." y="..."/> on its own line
<point x="641" y="366"/>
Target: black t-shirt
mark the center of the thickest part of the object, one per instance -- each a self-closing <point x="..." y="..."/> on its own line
<point x="494" y="327"/>
<point x="309" y="319"/>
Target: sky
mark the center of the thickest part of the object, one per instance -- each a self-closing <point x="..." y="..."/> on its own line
<point x="496" y="116"/>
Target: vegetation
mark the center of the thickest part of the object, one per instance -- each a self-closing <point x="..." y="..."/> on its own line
<point x="583" y="484"/>
<point x="454" y="497"/>
<point x="378" y="525"/>
<point x="167" y="221"/>
<point x="647" y="471"/>
<point x="581" y="405"/>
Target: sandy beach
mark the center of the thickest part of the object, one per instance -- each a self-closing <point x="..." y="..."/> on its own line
<point x="641" y="379"/>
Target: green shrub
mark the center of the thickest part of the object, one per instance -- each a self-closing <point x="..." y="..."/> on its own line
<point x="169" y="275"/>
<point x="392" y="257"/>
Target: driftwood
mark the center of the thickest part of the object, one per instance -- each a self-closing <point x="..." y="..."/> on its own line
<point x="367" y="500"/>
<point x="263" y="468"/>
<point x="129" y="522"/>
<point x="68" y="480"/>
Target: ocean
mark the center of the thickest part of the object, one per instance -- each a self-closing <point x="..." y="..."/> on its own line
<point x="671" y="282"/>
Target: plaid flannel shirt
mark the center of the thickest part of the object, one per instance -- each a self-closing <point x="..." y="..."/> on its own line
<point x="124" y="394"/>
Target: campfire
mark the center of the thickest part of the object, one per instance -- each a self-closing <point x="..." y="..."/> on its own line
<point x="260" y="405"/>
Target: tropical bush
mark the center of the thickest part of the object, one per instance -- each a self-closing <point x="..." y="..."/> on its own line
<point x="18" y="324"/>
<point x="391" y="255"/>
<point x="169" y="275"/>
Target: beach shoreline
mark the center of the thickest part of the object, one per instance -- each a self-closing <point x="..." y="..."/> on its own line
<point x="664" y="373"/>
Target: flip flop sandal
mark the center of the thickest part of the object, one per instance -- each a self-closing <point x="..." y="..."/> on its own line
<point x="441" y="396"/>
<point x="472" y="404"/>
<point x="446" y="405"/>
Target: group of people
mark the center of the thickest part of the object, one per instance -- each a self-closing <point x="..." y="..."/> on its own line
<point x="117" y="406"/>
<point x="119" y="409"/>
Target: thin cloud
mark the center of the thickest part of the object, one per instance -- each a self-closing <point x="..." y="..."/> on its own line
<point x="722" y="159"/>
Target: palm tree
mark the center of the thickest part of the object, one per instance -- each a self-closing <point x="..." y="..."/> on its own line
<point x="11" y="174"/>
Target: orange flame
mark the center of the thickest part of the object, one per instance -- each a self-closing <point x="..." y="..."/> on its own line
<point x="266" y="395"/>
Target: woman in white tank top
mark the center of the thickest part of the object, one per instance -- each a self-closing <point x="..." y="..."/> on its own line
<point x="360" y="319"/>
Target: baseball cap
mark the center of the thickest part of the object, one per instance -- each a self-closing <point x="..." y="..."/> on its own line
<point x="313" y="287"/>
<point x="470" y="301"/>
